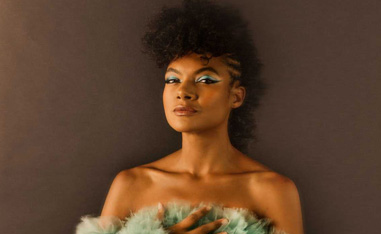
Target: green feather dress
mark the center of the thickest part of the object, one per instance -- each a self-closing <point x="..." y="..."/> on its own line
<point x="145" y="221"/>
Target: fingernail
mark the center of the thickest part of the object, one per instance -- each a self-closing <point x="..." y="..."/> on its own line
<point x="160" y="206"/>
<point x="208" y="207"/>
<point x="225" y="221"/>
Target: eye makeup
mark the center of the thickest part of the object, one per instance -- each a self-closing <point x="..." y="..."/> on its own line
<point x="208" y="79"/>
<point x="170" y="79"/>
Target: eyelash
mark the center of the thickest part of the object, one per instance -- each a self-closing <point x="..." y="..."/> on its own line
<point x="212" y="81"/>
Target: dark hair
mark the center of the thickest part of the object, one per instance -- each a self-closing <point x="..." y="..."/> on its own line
<point x="201" y="26"/>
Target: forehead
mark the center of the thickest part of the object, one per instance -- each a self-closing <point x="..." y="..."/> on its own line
<point x="192" y="62"/>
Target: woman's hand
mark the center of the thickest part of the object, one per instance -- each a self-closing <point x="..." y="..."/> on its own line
<point x="181" y="227"/>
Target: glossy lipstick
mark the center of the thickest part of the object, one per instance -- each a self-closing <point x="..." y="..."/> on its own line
<point x="184" y="110"/>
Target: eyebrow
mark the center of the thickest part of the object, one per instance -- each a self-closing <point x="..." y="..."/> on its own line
<point x="211" y="69"/>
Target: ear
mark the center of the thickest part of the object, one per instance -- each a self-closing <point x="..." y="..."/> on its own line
<point x="238" y="93"/>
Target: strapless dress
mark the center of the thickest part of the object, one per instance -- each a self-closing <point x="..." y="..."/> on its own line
<point x="145" y="221"/>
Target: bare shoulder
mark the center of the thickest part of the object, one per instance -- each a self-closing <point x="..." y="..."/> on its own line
<point x="126" y="175"/>
<point x="280" y="201"/>
<point x="274" y="181"/>
<point x="124" y="179"/>
<point x="119" y="195"/>
<point x="275" y="186"/>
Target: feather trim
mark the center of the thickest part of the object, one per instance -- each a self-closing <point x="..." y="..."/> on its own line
<point x="145" y="221"/>
<point x="99" y="225"/>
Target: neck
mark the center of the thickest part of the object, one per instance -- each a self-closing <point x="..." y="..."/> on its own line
<point x="206" y="152"/>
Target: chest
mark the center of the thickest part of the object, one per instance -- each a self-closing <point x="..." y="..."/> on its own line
<point x="233" y="191"/>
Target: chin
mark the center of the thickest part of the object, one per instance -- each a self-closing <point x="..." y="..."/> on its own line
<point x="191" y="126"/>
<point x="179" y="127"/>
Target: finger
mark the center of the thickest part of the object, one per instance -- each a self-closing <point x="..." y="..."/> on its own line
<point x="193" y="218"/>
<point x="206" y="228"/>
<point x="160" y="211"/>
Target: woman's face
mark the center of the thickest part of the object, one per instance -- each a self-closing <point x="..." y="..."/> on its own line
<point x="190" y="82"/>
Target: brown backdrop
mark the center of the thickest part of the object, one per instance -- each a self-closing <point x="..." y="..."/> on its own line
<point x="79" y="103"/>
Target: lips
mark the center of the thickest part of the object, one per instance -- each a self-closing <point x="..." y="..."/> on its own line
<point x="185" y="109"/>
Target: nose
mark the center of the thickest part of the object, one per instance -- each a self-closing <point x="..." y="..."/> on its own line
<point x="186" y="95"/>
<point x="186" y="92"/>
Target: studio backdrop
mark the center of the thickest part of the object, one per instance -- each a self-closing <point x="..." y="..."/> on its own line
<point x="79" y="102"/>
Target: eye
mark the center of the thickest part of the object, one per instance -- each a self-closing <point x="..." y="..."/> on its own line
<point x="170" y="79"/>
<point x="203" y="79"/>
<point x="208" y="80"/>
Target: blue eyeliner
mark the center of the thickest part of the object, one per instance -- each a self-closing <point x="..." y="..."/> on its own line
<point x="209" y="78"/>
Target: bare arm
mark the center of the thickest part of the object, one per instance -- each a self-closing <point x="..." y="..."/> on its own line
<point x="117" y="197"/>
<point x="281" y="197"/>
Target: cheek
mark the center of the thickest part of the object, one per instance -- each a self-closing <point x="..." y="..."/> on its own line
<point x="166" y="99"/>
<point x="214" y="101"/>
<point x="215" y="109"/>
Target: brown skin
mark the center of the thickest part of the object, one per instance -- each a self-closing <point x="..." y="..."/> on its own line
<point x="207" y="168"/>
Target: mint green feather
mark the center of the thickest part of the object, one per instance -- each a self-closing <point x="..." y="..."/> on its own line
<point x="145" y="221"/>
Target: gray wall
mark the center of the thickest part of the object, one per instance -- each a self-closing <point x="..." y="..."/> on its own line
<point x="79" y="103"/>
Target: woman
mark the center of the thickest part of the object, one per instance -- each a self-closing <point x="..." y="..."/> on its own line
<point x="212" y="86"/>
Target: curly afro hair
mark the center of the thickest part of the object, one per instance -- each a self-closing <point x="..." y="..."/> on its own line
<point x="203" y="27"/>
